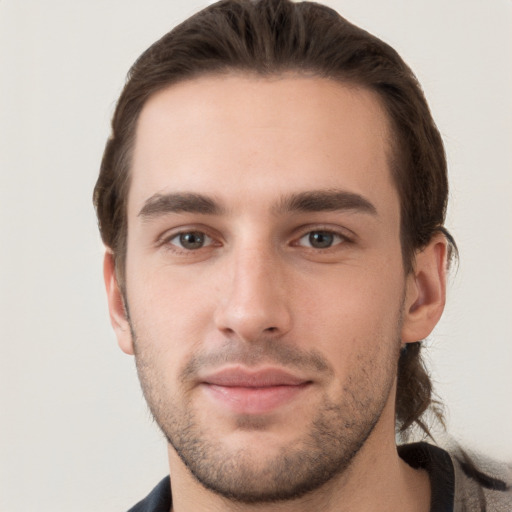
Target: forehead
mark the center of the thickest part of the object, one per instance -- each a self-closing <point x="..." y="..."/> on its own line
<point x="232" y="133"/>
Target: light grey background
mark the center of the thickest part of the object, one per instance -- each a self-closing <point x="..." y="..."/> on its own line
<point x="74" y="431"/>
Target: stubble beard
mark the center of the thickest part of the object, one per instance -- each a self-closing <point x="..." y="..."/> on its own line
<point x="334" y="436"/>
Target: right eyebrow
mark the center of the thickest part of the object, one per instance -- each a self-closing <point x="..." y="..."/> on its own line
<point x="161" y="204"/>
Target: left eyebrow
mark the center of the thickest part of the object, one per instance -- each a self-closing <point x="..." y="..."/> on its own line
<point x="325" y="200"/>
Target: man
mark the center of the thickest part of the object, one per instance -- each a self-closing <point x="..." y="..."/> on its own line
<point x="272" y="199"/>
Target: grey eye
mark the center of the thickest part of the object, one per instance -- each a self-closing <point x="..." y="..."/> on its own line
<point x="191" y="240"/>
<point x="320" y="239"/>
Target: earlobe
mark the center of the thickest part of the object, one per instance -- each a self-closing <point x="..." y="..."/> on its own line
<point x="117" y="311"/>
<point x="426" y="291"/>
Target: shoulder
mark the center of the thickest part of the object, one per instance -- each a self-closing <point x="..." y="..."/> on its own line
<point x="480" y="482"/>
<point x="462" y="480"/>
<point x="158" y="500"/>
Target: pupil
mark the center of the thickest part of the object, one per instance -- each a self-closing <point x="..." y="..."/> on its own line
<point x="320" y="239"/>
<point x="192" y="240"/>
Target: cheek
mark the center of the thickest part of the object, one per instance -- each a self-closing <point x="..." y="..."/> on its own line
<point x="352" y="310"/>
<point x="170" y="318"/>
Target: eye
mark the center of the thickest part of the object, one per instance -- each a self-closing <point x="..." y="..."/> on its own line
<point x="321" y="239"/>
<point x="191" y="240"/>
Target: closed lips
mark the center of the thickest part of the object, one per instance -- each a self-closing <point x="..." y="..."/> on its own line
<point x="237" y="377"/>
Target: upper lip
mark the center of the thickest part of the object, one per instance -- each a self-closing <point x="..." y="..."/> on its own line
<point x="244" y="377"/>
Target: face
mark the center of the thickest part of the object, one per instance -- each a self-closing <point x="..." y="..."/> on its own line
<point x="265" y="288"/>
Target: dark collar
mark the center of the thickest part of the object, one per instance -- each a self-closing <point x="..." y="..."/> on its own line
<point x="438" y="464"/>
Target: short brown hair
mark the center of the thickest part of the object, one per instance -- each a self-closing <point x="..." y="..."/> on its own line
<point x="269" y="37"/>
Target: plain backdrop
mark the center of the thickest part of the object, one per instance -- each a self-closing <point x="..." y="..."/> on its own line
<point x="75" y="434"/>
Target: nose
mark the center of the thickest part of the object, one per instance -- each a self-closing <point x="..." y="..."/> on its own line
<point x="254" y="303"/>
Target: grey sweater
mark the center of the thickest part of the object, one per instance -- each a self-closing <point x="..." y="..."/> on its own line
<point x="480" y="483"/>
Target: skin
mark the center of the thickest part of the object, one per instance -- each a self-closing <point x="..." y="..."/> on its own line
<point x="260" y="292"/>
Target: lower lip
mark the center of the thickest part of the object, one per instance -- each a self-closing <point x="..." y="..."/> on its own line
<point x="251" y="400"/>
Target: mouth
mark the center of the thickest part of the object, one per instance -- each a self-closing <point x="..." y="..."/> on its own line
<point x="243" y="391"/>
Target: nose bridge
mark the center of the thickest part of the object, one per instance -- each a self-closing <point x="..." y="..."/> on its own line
<point x="254" y="301"/>
<point x="256" y="278"/>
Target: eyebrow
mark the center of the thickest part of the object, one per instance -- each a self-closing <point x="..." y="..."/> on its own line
<point x="326" y="200"/>
<point x="161" y="204"/>
<point x="310" y="201"/>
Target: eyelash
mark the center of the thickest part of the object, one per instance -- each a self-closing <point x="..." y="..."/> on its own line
<point x="342" y="239"/>
<point x="166" y="241"/>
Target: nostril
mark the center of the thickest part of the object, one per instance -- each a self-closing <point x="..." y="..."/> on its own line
<point x="271" y="329"/>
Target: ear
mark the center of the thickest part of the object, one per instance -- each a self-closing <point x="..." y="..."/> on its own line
<point x="117" y="310"/>
<point x="426" y="291"/>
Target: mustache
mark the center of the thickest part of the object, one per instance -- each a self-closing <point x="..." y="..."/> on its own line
<point x="269" y="351"/>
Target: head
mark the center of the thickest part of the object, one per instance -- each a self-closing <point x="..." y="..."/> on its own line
<point x="272" y="40"/>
